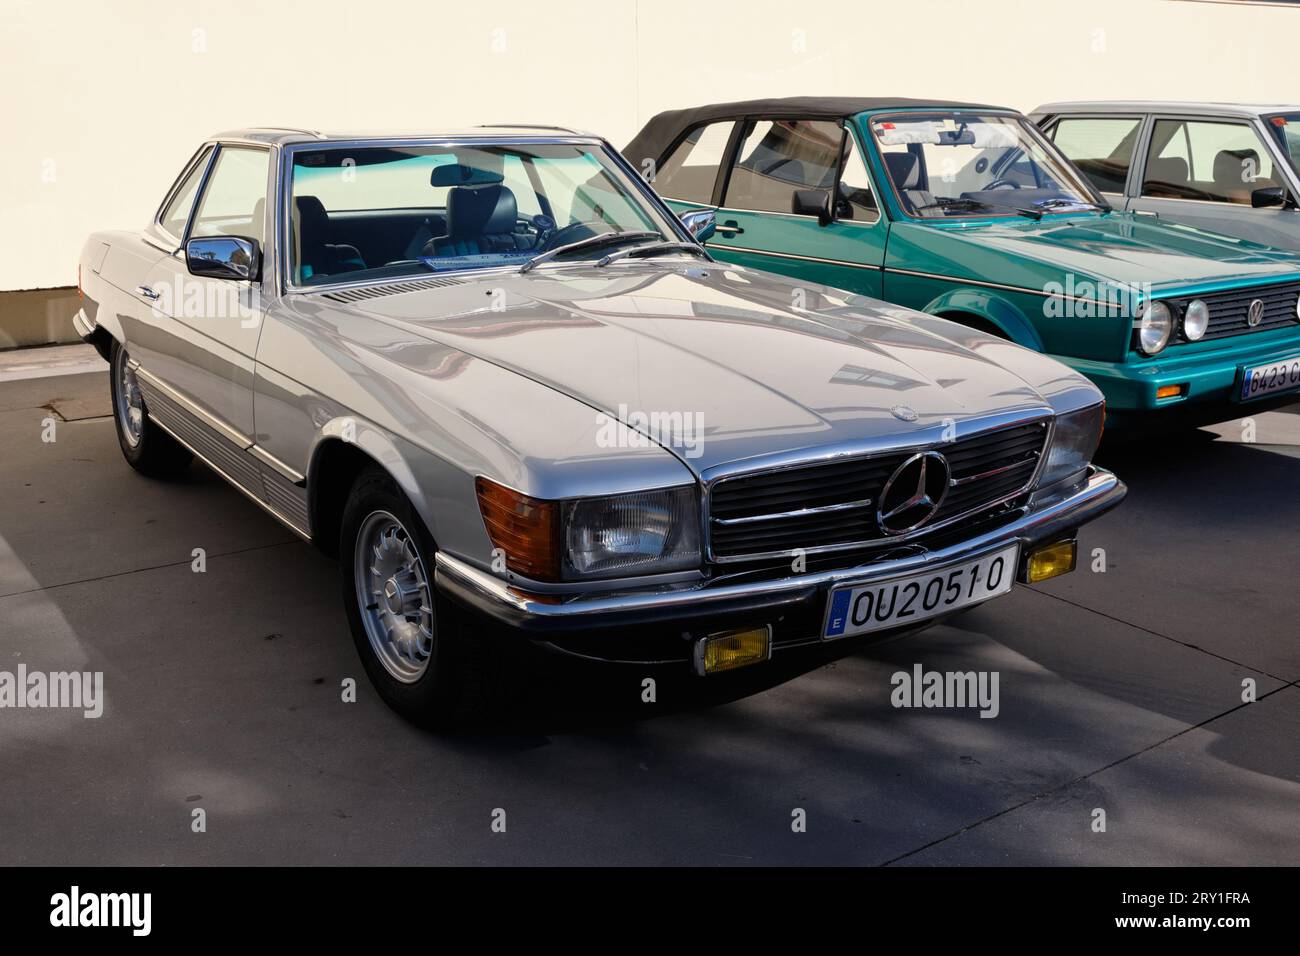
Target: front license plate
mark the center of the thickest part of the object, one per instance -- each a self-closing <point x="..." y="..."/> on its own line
<point x="1266" y="379"/>
<point x="859" y="608"/>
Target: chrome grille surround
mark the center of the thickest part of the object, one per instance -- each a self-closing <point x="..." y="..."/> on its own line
<point x="829" y="504"/>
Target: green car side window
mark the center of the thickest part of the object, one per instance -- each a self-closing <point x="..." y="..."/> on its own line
<point x="690" y="171"/>
<point x="780" y="157"/>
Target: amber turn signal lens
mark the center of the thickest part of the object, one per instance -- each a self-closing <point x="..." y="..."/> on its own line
<point x="1051" y="561"/>
<point x="727" y="650"/>
<point x="1169" y="391"/>
<point x="526" y="530"/>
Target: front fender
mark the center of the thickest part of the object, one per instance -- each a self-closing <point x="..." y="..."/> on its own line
<point x="992" y="308"/>
<point x="427" y="484"/>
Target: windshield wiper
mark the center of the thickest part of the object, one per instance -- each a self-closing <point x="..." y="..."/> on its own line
<point x="1058" y="203"/>
<point x="591" y="242"/>
<point x="947" y="202"/>
<point x="655" y="248"/>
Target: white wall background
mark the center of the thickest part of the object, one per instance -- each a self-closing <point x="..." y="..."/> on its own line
<point x="101" y="103"/>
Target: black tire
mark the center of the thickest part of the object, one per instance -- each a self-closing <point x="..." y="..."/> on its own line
<point x="470" y="675"/>
<point x="156" y="453"/>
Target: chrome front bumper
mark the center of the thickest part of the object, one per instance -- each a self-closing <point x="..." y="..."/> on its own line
<point x="1042" y="521"/>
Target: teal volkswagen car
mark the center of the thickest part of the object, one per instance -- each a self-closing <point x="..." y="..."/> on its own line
<point x="970" y="213"/>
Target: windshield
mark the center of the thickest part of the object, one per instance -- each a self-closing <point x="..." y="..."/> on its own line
<point x="360" y="213"/>
<point x="963" y="164"/>
<point x="1286" y="128"/>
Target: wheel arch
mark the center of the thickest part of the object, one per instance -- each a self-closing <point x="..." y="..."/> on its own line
<point x="988" y="313"/>
<point x="344" y="448"/>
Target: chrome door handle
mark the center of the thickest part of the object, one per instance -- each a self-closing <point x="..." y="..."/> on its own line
<point x="147" y="292"/>
<point x="730" y="229"/>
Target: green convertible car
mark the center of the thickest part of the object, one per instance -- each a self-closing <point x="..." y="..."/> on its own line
<point x="970" y="213"/>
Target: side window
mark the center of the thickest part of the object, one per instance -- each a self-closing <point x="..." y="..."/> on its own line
<point x="1206" y="160"/>
<point x="233" y="202"/>
<point x="855" y="200"/>
<point x="177" y="213"/>
<point x="1102" y="148"/>
<point x="691" y="169"/>
<point x="781" y="156"/>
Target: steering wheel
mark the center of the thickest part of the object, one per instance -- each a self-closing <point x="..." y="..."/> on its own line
<point x="1002" y="183"/>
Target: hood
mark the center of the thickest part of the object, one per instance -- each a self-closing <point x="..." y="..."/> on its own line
<point x="1118" y="247"/>
<point x="722" y="348"/>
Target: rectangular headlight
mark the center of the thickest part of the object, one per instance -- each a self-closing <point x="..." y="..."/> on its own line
<point x="648" y="532"/>
<point x="1074" y="442"/>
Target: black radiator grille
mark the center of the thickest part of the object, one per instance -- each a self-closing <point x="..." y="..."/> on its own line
<point x="1229" y="310"/>
<point x="833" y="504"/>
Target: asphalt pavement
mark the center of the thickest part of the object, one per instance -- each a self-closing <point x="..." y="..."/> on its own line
<point x="1125" y="733"/>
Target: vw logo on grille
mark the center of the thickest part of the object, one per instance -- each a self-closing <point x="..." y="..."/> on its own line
<point x="913" y="493"/>
<point x="1255" y="314"/>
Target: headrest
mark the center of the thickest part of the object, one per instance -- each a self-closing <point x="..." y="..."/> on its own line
<point x="458" y="174"/>
<point x="480" y="211"/>
<point x="1231" y="167"/>
<point x="312" y="218"/>
<point x="1169" y="169"/>
<point x="904" y="169"/>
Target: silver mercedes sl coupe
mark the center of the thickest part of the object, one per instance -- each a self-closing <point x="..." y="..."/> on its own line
<point x="496" y="376"/>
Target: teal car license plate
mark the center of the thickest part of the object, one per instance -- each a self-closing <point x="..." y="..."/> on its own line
<point x="1267" y="379"/>
<point x="860" y="608"/>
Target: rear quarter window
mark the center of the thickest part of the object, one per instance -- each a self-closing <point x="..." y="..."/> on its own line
<point x="690" y="170"/>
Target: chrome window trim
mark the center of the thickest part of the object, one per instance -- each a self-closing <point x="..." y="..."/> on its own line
<point x="221" y="147"/>
<point x="209" y="148"/>
<point x="285" y="175"/>
<point x="980" y="428"/>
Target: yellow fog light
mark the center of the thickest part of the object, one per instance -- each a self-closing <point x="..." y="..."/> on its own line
<point x="1051" y="561"/>
<point x="727" y="650"/>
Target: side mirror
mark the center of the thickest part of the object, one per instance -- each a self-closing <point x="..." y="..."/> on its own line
<point x="812" y="202"/>
<point x="1267" y="196"/>
<point x="224" y="257"/>
<point x="700" y="223"/>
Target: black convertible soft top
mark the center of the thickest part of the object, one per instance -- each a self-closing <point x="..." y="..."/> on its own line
<point x="665" y="129"/>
